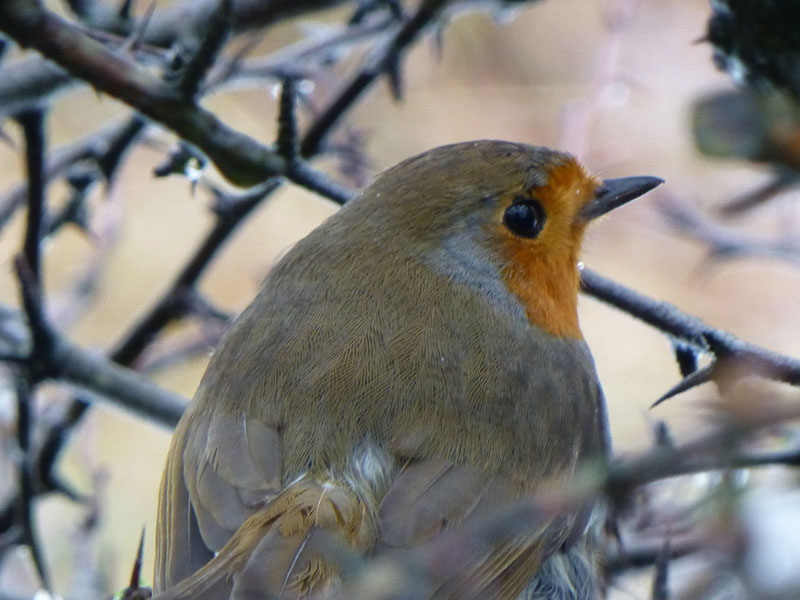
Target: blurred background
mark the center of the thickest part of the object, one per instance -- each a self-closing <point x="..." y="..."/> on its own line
<point x="612" y="81"/>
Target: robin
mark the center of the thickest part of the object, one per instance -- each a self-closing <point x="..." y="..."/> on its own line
<point x="411" y="366"/>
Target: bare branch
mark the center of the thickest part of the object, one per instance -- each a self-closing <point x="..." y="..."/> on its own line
<point x="375" y="65"/>
<point x="53" y="357"/>
<point x="240" y="158"/>
<point x="691" y="330"/>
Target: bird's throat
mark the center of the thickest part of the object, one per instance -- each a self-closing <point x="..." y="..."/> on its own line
<point x="548" y="289"/>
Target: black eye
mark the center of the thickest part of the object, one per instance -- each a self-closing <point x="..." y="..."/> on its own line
<point x="525" y="217"/>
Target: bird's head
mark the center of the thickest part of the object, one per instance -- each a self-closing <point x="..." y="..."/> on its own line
<point x="517" y="208"/>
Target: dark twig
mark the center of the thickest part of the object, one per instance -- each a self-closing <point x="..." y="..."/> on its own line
<point x="287" y="121"/>
<point x="53" y="357"/>
<point x="32" y="122"/>
<point x="215" y="33"/>
<point x="175" y="303"/>
<point x="691" y="330"/>
<point x="375" y="65"/>
<point x="27" y="485"/>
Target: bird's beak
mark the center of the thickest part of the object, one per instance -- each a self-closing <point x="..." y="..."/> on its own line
<point x="612" y="193"/>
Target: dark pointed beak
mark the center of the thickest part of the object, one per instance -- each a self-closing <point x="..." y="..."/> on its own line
<point x="613" y="193"/>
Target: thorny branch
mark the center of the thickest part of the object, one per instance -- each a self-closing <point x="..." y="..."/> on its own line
<point x="725" y="348"/>
<point x="50" y="354"/>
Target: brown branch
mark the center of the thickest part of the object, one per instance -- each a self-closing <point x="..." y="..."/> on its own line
<point x="240" y="158"/>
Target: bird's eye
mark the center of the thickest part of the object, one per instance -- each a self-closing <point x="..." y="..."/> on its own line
<point x="525" y="217"/>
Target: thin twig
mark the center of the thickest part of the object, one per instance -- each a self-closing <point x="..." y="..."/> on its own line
<point x="27" y="484"/>
<point x="374" y="65"/>
<point x="214" y="37"/>
<point x="54" y="357"/>
<point x="32" y="122"/>
<point x="691" y="330"/>
<point x="173" y="304"/>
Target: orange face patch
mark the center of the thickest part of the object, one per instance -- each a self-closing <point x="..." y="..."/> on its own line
<point x="543" y="272"/>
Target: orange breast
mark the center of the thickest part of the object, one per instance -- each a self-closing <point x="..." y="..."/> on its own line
<point x="547" y="289"/>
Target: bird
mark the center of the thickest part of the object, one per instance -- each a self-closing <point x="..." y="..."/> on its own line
<point x="413" y="366"/>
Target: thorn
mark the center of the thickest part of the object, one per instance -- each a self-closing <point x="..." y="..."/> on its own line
<point x="124" y="10"/>
<point x="133" y="591"/>
<point x="137" y="35"/>
<point x="697" y="378"/>
<point x="661" y="578"/>
<point x="394" y="74"/>
<point x="137" y="563"/>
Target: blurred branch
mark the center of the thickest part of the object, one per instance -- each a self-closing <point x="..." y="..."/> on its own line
<point x="32" y="122"/>
<point x="780" y="182"/>
<point x="292" y="60"/>
<point x="217" y="27"/>
<point x="638" y="554"/>
<point x="105" y="147"/>
<point x="176" y="302"/>
<point x="54" y="357"/>
<point x="424" y="567"/>
<point x="27" y="493"/>
<point x="724" y="242"/>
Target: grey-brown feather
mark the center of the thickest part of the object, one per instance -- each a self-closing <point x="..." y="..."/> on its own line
<point x="351" y="343"/>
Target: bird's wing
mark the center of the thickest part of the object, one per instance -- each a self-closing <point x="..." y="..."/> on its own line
<point x="232" y="469"/>
<point x="431" y="496"/>
<point x="291" y="548"/>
